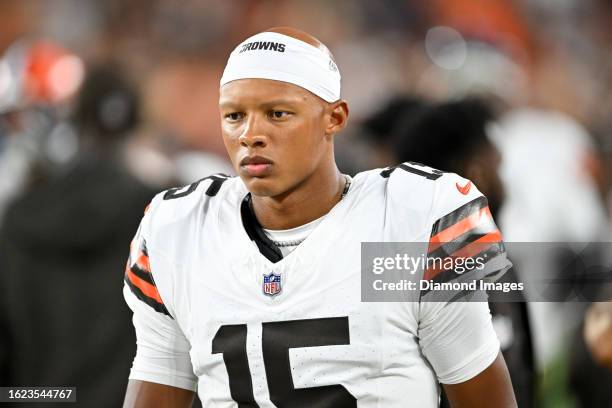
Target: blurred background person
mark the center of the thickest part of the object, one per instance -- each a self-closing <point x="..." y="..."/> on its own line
<point x="62" y="242"/>
<point x="541" y="79"/>
<point x="453" y="137"/>
<point x="38" y="80"/>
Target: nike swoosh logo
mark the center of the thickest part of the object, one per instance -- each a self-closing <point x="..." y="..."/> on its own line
<point x="465" y="189"/>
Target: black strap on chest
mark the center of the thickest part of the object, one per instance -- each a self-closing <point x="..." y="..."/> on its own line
<point x="256" y="233"/>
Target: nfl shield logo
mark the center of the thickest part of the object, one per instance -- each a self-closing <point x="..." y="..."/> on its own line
<point x="272" y="284"/>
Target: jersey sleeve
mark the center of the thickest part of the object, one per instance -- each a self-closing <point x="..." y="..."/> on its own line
<point x="162" y="351"/>
<point x="162" y="354"/>
<point x="456" y="334"/>
<point x="462" y="228"/>
<point x="458" y="339"/>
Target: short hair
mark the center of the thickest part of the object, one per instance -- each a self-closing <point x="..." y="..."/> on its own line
<point x="446" y="135"/>
<point x="380" y="127"/>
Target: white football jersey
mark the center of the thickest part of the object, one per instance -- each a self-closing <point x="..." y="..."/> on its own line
<point x="212" y="313"/>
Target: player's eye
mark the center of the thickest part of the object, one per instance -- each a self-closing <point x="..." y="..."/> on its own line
<point x="234" y="116"/>
<point x="275" y="114"/>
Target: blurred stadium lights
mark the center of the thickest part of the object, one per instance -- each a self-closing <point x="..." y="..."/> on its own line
<point x="52" y="73"/>
<point x="64" y="77"/>
<point x="38" y="72"/>
<point x="446" y="47"/>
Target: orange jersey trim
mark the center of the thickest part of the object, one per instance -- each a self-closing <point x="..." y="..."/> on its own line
<point x="146" y="288"/>
<point x="468" y="251"/>
<point x="460" y="228"/>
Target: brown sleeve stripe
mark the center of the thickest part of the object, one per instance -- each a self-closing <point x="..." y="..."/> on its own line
<point x="458" y="214"/>
<point x="158" y="307"/>
<point x="471" y="222"/>
<point x="145" y="287"/>
<point x="471" y="250"/>
<point x="142" y="274"/>
<point x="490" y="253"/>
<point x="138" y="292"/>
<point x="141" y="268"/>
<point x="140" y="281"/>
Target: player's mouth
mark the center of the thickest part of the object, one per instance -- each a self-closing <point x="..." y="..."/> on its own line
<point x="256" y="166"/>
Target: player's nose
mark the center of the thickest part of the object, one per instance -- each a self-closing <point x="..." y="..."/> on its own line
<point x="253" y="135"/>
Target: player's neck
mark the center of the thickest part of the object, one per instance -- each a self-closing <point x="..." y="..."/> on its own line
<point x="310" y="201"/>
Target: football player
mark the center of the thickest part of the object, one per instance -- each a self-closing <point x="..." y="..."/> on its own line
<point x="248" y="289"/>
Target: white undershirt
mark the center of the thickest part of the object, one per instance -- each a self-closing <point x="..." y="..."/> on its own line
<point x="291" y="238"/>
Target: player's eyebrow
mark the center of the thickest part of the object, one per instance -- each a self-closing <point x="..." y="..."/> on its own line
<point x="228" y="105"/>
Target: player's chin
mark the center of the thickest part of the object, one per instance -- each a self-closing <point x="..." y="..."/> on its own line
<point x="262" y="186"/>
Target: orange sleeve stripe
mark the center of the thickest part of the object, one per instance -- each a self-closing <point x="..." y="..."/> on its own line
<point x="143" y="262"/>
<point x="468" y="251"/>
<point x="492" y="237"/>
<point x="474" y="248"/>
<point x="145" y="287"/>
<point x="459" y="228"/>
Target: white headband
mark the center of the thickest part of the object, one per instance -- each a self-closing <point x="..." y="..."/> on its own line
<point x="279" y="57"/>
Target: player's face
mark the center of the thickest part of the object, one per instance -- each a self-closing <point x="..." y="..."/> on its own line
<point x="274" y="133"/>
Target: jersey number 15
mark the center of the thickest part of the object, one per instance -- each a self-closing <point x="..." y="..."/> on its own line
<point x="277" y="339"/>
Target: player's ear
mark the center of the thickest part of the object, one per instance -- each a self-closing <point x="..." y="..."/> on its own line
<point x="338" y="117"/>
